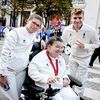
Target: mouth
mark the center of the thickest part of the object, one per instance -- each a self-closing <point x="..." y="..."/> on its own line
<point x="58" y="52"/>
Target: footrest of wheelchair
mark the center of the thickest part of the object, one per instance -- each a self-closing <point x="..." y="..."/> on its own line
<point x="35" y="89"/>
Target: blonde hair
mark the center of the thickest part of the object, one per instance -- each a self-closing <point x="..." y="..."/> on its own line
<point x="77" y="11"/>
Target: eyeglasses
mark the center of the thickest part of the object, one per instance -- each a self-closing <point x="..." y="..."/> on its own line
<point x="59" y="47"/>
<point x="36" y="24"/>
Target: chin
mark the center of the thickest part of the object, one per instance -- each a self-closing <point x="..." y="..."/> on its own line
<point x="57" y="55"/>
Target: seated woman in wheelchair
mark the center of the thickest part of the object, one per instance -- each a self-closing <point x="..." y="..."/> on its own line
<point x="48" y="67"/>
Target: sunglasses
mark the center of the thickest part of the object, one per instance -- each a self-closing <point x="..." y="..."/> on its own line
<point x="36" y="24"/>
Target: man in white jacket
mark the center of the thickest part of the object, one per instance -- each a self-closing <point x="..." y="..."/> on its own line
<point x="15" y="57"/>
<point x="83" y="40"/>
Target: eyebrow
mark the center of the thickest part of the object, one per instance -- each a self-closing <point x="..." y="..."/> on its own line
<point x="36" y="24"/>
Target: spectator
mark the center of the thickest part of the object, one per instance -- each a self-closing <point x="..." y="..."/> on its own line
<point x="41" y="34"/>
<point x="96" y="52"/>
<point x="15" y="57"/>
<point x="52" y="70"/>
<point x="82" y="39"/>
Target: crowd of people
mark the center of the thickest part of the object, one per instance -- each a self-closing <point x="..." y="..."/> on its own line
<point x="48" y="65"/>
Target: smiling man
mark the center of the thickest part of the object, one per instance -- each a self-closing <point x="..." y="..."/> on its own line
<point x="15" y="57"/>
<point x="83" y="40"/>
<point x="52" y="70"/>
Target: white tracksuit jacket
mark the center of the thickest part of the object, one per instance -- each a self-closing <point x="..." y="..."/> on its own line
<point x="79" y="58"/>
<point x="40" y="70"/>
<point x="14" y="60"/>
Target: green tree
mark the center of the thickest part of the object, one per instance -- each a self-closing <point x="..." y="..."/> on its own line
<point x="18" y="6"/>
<point x="52" y="8"/>
<point x="22" y="5"/>
<point x="47" y="8"/>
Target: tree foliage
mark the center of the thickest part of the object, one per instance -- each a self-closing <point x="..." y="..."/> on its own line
<point x="52" y="8"/>
<point x="19" y="6"/>
<point x="47" y="8"/>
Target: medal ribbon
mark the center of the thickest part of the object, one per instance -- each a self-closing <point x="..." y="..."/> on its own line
<point x="54" y="68"/>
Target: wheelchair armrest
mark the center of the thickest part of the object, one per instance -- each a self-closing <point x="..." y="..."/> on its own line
<point x="35" y="88"/>
<point x="74" y="81"/>
<point x="29" y="84"/>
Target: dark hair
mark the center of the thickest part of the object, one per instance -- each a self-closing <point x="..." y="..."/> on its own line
<point x="35" y="16"/>
<point x="53" y="39"/>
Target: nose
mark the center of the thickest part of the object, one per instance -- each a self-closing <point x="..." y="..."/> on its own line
<point x="77" y="20"/>
<point x="35" y="25"/>
<point x="61" y="49"/>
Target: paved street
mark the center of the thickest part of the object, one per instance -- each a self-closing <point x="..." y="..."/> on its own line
<point x="92" y="90"/>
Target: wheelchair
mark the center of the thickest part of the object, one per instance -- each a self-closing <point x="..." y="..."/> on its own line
<point x="32" y="92"/>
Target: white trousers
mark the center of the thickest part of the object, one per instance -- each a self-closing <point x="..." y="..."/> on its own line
<point x="66" y="93"/>
<point x="79" y="68"/>
<point x="15" y="84"/>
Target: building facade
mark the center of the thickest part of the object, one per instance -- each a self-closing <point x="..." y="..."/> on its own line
<point x="10" y="16"/>
<point x="92" y="11"/>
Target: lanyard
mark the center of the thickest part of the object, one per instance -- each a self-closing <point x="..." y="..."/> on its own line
<point x="54" y="68"/>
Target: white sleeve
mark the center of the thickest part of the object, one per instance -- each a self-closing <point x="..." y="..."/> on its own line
<point x="65" y="74"/>
<point x="34" y="73"/>
<point x="94" y="43"/>
<point x="7" y="50"/>
<point x="64" y="36"/>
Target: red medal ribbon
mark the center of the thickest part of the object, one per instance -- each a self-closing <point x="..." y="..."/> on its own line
<point x="55" y="69"/>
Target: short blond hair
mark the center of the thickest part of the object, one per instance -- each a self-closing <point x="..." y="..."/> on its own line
<point x="77" y="11"/>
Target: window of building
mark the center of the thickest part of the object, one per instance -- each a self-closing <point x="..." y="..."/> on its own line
<point x="79" y="3"/>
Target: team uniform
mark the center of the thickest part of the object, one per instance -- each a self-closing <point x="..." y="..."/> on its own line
<point x="79" y="58"/>
<point x="40" y="69"/>
<point x="14" y="60"/>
